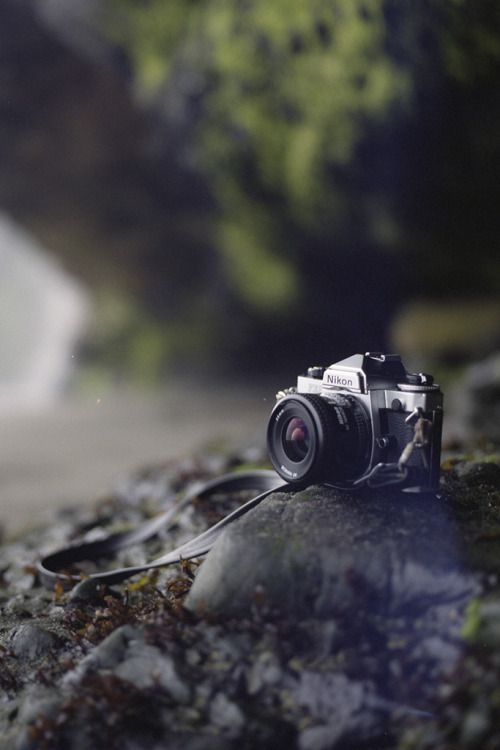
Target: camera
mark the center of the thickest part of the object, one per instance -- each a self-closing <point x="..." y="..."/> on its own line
<point x="362" y="421"/>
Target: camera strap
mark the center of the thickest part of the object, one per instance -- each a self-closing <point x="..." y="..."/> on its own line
<point x="56" y="567"/>
<point x="385" y="474"/>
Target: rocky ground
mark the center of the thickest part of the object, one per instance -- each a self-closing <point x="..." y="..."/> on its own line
<point x="319" y="620"/>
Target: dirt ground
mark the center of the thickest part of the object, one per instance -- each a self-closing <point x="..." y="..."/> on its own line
<point x="82" y="448"/>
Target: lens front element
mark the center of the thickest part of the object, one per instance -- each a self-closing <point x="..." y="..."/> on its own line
<point x="295" y="436"/>
<point x="296" y="440"/>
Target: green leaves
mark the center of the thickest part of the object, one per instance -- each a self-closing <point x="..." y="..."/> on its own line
<point x="312" y="114"/>
<point x="296" y="85"/>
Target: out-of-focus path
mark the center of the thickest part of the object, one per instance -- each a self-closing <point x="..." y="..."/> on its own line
<point x="80" y="449"/>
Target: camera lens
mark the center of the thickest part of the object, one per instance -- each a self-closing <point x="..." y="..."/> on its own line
<point x="296" y="440"/>
<point x="314" y="439"/>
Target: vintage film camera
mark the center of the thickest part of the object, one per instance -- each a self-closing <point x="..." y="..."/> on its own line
<point x="362" y="421"/>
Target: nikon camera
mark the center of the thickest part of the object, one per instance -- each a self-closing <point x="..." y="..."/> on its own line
<point x="362" y="421"/>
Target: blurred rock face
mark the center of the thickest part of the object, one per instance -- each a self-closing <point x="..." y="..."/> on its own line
<point x="43" y="313"/>
<point x="91" y="175"/>
<point x="78" y="165"/>
<point x="447" y="331"/>
<point x="67" y="128"/>
<point x="475" y="402"/>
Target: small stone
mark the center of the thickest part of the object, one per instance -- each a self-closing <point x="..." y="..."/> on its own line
<point x="226" y="715"/>
<point x="107" y="655"/>
<point x="36" y="701"/>
<point x="475" y="726"/>
<point x="182" y="741"/>
<point x="192" y="657"/>
<point x="19" y="606"/>
<point x="475" y="473"/>
<point x="322" y="737"/>
<point x="265" y="671"/>
<point x="339" y="707"/>
<point x="87" y="590"/>
<point x="20" y="579"/>
<point x="327" y="695"/>
<point x="29" y="642"/>
<point x="145" y="666"/>
<point x="441" y="651"/>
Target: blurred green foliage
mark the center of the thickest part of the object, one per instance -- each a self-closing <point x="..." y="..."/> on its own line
<point x="288" y="89"/>
<point x="330" y="128"/>
<point x="127" y="341"/>
<point x="293" y="83"/>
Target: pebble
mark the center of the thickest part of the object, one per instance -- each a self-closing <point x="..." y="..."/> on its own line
<point x="266" y="670"/>
<point x="146" y="667"/>
<point x="30" y="642"/>
<point x="106" y="655"/>
<point x="226" y="715"/>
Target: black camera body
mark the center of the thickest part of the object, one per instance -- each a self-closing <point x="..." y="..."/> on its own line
<point x="362" y="421"/>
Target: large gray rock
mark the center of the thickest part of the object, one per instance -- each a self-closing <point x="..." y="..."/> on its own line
<point x="321" y="553"/>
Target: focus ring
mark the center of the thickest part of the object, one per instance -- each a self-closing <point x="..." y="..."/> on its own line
<point x="322" y="410"/>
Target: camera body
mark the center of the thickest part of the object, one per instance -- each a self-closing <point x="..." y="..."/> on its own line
<point x="363" y="420"/>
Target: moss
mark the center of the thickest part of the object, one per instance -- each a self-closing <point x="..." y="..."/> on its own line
<point x="472" y="621"/>
<point x="107" y="709"/>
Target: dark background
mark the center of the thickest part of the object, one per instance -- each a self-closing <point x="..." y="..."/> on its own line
<point x="250" y="186"/>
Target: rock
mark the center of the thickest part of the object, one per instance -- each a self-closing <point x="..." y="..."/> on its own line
<point x="475" y="402"/>
<point x="184" y="741"/>
<point x="88" y="590"/>
<point x="341" y="706"/>
<point x="438" y="331"/>
<point x="265" y="670"/>
<point x="475" y="727"/>
<point x="340" y="621"/>
<point x="106" y="655"/>
<point x="125" y="655"/>
<point x="30" y="642"/>
<point x="322" y="553"/>
<point x="146" y="667"/>
<point x="226" y="715"/>
<point x="19" y="606"/>
<point x="474" y="473"/>
<point x="36" y="701"/>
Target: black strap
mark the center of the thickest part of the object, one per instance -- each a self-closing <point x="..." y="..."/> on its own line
<point x="51" y="568"/>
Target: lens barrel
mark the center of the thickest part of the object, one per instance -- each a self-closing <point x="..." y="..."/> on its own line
<point x="313" y="439"/>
